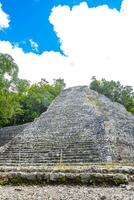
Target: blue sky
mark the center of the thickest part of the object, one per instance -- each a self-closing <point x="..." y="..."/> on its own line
<point x="30" y="20"/>
<point x="70" y="39"/>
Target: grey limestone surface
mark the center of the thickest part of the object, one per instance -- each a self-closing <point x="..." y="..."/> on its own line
<point x="80" y="126"/>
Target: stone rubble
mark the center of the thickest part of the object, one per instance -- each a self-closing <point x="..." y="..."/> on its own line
<point x="66" y="193"/>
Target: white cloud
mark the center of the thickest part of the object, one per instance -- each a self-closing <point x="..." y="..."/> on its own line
<point x="4" y="19"/>
<point x="34" y="45"/>
<point x="97" y="41"/>
<point x="33" y="67"/>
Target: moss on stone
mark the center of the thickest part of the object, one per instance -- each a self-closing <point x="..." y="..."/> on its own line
<point x="4" y="180"/>
<point x="85" y="177"/>
<point x="118" y="180"/>
<point x="73" y="178"/>
<point x="57" y="178"/>
<point x="15" y="179"/>
<point x="93" y="101"/>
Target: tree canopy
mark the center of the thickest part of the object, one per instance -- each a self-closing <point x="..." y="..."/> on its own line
<point x="115" y="91"/>
<point x="20" y="101"/>
<point x="8" y="72"/>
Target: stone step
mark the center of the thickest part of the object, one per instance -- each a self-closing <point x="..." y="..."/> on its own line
<point x="48" y="155"/>
<point x="53" y="142"/>
<point x="78" y="160"/>
<point x="51" y="147"/>
<point x="43" y="150"/>
<point x="52" y="161"/>
<point x="51" y="154"/>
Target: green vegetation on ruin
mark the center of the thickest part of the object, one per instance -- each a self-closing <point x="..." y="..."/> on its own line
<point x="115" y="91"/>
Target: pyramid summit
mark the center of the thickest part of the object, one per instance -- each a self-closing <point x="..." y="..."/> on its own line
<point x="80" y="126"/>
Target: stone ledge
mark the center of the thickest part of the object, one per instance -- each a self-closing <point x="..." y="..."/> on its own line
<point x="35" y="178"/>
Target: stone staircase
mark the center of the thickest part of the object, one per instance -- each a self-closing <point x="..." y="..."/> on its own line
<point x="80" y="126"/>
<point x="76" y="152"/>
<point x="65" y="133"/>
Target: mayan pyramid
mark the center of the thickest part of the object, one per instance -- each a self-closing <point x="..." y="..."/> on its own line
<point x="80" y="126"/>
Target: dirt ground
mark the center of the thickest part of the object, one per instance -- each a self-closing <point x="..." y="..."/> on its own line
<point x="63" y="192"/>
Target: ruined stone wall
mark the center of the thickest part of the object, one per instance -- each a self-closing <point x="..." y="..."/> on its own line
<point x="118" y="125"/>
<point x="8" y="133"/>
